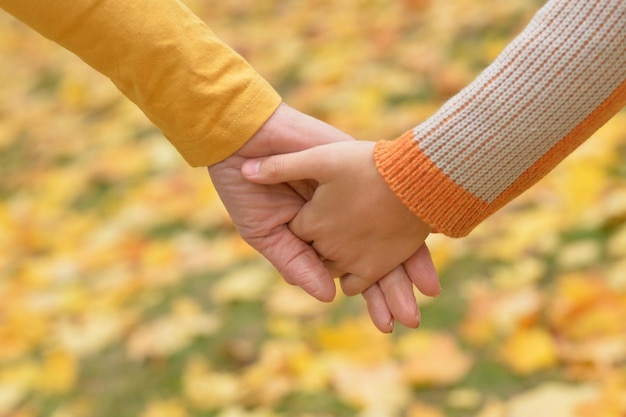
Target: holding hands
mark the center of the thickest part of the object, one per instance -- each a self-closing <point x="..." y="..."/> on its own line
<point x="357" y="229"/>
<point x="353" y="221"/>
<point x="309" y="197"/>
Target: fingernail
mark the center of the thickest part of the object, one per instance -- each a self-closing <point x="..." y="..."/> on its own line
<point x="250" y="167"/>
<point x="419" y="321"/>
<point x="391" y="325"/>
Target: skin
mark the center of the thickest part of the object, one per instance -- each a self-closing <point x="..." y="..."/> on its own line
<point x="262" y="212"/>
<point x="354" y="221"/>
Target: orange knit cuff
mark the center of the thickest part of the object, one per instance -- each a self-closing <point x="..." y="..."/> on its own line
<point x="425" y="189"/>
<point x="450" y="209"/>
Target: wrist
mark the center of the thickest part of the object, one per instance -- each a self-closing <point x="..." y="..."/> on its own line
<point x="289" y="130"/>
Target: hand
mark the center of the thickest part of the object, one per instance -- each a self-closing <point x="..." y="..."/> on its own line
<point x="354" y="221"/>
<point x="261" y="214"/>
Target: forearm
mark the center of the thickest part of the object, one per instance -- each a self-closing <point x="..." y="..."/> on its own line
<point x="206" y="99"/>
<point x="561" y="79"/>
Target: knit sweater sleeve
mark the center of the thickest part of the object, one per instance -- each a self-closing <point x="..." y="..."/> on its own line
<point x="559" y="81"/>
<point x="204" y="97"/>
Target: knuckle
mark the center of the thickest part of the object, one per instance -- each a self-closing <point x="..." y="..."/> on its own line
<point x="352" y="290"/>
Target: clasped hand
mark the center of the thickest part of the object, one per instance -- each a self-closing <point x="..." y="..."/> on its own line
<point x="309" y="198"/>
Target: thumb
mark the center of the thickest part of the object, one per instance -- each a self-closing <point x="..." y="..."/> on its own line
<point x="303" y="165"/>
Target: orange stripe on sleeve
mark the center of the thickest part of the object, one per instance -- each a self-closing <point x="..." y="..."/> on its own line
<point x="602" y="114"/>
<point x="449" y="208"/>
<point x="424" y="188"/>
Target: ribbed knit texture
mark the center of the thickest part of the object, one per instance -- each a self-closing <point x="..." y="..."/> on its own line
<point x="559" y="81"/>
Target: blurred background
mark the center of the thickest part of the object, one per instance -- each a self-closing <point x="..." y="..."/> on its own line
<point x="125" y="291"/>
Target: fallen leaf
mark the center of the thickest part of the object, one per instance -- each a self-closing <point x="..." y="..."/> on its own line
<point x="550" y="400"/>
<point x="375" y="389"/>
<point x="464" y="399"/>
<point x="59" y="372"/>
<point x="165" y="408"/>
<point x="579" y="254"/>
<point x="170" y="333"/>
<point x="419" y="409"/>
<point x="243" y="284"/>
<point x="432" y="359"/>
<point x="206" y="389"/>
<point x="356" y="339"/>
<point x="529" y="350"/>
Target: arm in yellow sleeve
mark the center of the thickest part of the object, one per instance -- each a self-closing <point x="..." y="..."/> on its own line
<point x="204" y="97"/>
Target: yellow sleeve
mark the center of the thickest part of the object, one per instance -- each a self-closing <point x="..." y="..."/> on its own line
<point x="205" y="98"/>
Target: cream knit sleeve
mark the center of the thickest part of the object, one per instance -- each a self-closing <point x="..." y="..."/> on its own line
<point x="560" y="80"/>
<point x="205" y="98"/>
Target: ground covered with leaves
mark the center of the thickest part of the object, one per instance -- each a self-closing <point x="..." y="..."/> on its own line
<point x="125" y="291"/>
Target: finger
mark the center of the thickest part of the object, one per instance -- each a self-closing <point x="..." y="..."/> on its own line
<point x="303" y="226"/>
<point x="353" y="284"/>
<point x="308" y="164"/>
<point x="398" y="291"/>
<point x="421" y="270"/>
<point x="303" y="232"/>
<point x="378" y="310"/>
<point x="299" y="264"/>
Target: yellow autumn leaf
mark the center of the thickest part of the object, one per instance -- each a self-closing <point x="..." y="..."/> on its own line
<point x="26" y="412"/>
<point x="464" y="399"/>
<point x="574" y="292"/>
<point x="165" y="408"/>
<point x="77" y="408"/>
<point x="616" y="275"/>
<point x="16" y="382"/>
<point x="523" y="272"/>
<point x="616" y="245"/>
<point x="205" y="388"/>
<point x="276" y="373"/>
<point x="238" y="411"/>
<point x="604" y="318"/>
<point x="585" y="307"/>
<point x="292" y="302"/>
<point x="579" y="254"/>
<point x="310" y="372"/>
<point x="493" y="312"/>
<point x="610" y="402"/>
<point x="170" y="333"/>
<point x="243" y="284"/>
<point x="59" y="372"/>
<point x="612" y="210"/>
<point x="418" y="409"/>
<point x="11" y="396"/>
<point x="493" y="407"/>
<point x="90" y="333"/>
<point x="599" y="351"/>
<point x="14" y="343"/>
<point x="356" y="339"/>
<point x="376" y="389"/>
<point x="432" y="358"/>
<point x="550" y="400"/>
<point x="513" y="243"/>
<point x="529" y="350"/>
